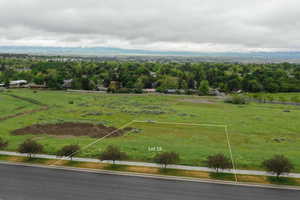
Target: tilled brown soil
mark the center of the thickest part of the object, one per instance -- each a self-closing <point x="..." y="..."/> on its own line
<point x="71" y="129"/>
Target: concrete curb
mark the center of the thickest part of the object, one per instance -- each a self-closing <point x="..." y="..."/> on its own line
<point x="132" y="163"/>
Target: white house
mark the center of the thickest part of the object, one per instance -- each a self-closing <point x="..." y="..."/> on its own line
<point x="17" y="83"/>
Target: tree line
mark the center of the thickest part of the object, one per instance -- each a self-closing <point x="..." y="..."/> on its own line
<point x="133" y="76"/>
<point x="277" y="165"/>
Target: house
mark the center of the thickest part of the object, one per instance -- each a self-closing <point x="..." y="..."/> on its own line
<point x="153" y="74"/>
<point x="216" y="92"/>
<point x="101" y="89"/>
<point x="17" y="83"/>
<point x="171" y="91"/>
<point x="37" y="86"/>
<point x="149" y="90"/>
<point x="67" y="83"/>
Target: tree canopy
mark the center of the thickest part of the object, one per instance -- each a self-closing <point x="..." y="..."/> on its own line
<point x="30" y="147"/>
<point x="166" y="158"/>
<point x="112" y="153"/>
<point x="278" y="165"/>
<point x="89" y="75"/>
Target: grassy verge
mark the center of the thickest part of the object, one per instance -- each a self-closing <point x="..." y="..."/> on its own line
<point x="156" y="171"/>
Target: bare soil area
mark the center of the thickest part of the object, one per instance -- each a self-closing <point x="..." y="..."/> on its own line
<point x="71" y="129"/>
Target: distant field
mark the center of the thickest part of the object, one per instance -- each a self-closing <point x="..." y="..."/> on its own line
<point x="257" y="131"/>
<point x="281" y="97"/>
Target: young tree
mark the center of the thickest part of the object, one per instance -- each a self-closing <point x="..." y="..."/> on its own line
<point x="204" y="87"/>
<point x="237" y="99"/>
<point x="112" y="153"/>
<point x="166" y="158"/>
<point x="69" y="151"/>
<point x="218" y="161"/>
<point x="30" y="147"/>
<point x="3" y="143"/>
<point x="278" y="165"/>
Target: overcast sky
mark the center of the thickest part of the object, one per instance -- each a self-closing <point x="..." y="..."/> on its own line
<point x="185" y="25"/>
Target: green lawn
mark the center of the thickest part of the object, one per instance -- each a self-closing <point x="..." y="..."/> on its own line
<point x="11" y="106"/>
<point x="257" y="131"/>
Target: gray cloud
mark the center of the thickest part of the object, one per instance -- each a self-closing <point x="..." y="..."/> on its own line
<point x="197" y="25"/>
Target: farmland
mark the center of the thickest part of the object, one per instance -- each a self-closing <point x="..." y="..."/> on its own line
<point x="256" y="131"/>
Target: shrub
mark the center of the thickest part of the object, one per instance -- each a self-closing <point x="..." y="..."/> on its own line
<point x="166" y="158"/>
<point x="69" y="151"/>
<point x="278" y="165"/>
<point x="123" y="90"/>
<point x="282" y="99"/>
<point x="30" y="147"/>
<point x="218" y="161"/>
<point x="204" y="87"/>
<point x="270" y="98"/>
<point x="112" y="153"/>
<point x="295" y="99"/>
<point x="237" y="99"/>
<point x="3" y="143"/>
<point x="71" y="102"/>
<point x="138" y="90"/>
<point x="258" y="97"/>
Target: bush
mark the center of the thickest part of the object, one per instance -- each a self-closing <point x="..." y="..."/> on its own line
<point x="218" y="161"/>
<point x="71" y="102"/>
<point x="69" y="151"/>
<point x="278" y="165"/>
<point x="204" y="87"/>
<point x="112" y="153"/>
<point x="123" y="90"/>
<point x="237" y="99"/>
<point x="166" y="158"/>
<point x="270" y="98"/>
<point x="3" y="143"/>
<point x="138" y="91"/>
<point x="30" y="147"/>
<point x="295" y="99"/>
<point x="282" y="99"/>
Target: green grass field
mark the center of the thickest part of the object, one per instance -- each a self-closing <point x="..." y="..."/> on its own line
<point x="257" y="131"/>
<point x="10" y="106"/>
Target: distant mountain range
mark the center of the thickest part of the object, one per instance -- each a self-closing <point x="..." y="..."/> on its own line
<point x="108" y="51"/>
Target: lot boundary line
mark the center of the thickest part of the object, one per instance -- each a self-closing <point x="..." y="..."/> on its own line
<point x="178" y="123"/>
<point x="231" y="155"/>
<point x="155" y="122"/>
<point x="94" y="142"/>
<point x="208" y="125"/>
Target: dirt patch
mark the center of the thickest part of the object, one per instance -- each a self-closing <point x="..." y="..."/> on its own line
<point x="71" y="129"/>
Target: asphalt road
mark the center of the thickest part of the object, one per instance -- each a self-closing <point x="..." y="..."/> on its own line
<point x="32" y="183"/>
